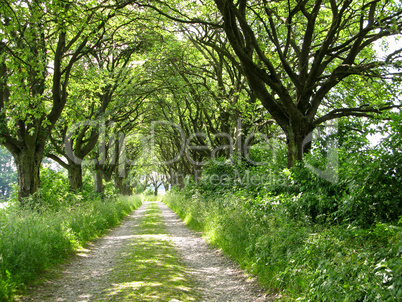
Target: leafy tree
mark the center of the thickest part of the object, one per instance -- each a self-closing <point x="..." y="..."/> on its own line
<point x="40" y="43"/>
<point x="205" y="104"/>
<point x="106" y="91"/>
<point x="295" y="53"/>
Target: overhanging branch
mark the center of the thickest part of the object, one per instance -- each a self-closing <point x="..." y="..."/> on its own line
<point x="58" y="160"/>
<point x="176" y="19"/>
<point x="362" y="111"/>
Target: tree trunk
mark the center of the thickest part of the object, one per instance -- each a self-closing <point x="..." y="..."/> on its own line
<point x="118" y="183"/>
<point x="156" y="189"/>
<point x="298" y="143"/>
<point x="166" y="185"/>
<point x="75" y="176"/>
<point x="127" y="191"/>
<point x="123" y="188"/>
<point x="28" y="166"/>
<point x="98" y="181"/>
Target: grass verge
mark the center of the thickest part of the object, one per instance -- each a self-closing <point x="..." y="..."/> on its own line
<point x="297" y="260"/>
<point x="32" y="242"/>
<point x="149" y="269"/>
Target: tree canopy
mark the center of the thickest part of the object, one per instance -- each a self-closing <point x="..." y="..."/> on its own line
<point x="208" y="74"/>
<point x="295" y="54"/>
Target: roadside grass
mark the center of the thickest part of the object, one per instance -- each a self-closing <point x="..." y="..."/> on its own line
<point x="296" y="260"/>
<point x="149" y="269"/>
<point x="33" y="241"/>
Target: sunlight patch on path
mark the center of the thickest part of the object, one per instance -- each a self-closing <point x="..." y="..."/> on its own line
<point x="148" y="269"/>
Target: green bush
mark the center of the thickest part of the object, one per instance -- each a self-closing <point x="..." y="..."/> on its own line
<point x="218" y="177"/>
<point x="368" y="190"/>
<point x="149" y="192"/>
<point x="303" y="261"/>
<point x="310" y="239"/>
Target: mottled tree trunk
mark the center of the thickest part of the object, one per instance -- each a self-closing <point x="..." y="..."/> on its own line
<point x="118" y="183"/>
<point x="123" y="188"/>
<point x="298" y="144"/>
<point x="98" y="184"/>
<point x="127" y="191"/>
<point x="75" y="177"/>
<point x="166" y="185"/>
<point x="28" y="166"/>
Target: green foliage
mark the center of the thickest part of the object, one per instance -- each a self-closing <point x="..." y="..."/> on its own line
<point x="373" y="190"/>
<point x="298" y="260"/>
<point x="222" y="176"/>
<point x="34" y="239"/>
<point x="306" y="238"/>
<point x="149" y="192"/>
<point x="218" y="176"/>
<point x="55" y="193"/>
<point x="366" y="190"/>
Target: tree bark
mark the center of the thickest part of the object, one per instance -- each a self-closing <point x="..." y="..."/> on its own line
<point x="123" y="188"/>
<point x="75" y="176"/>
<point x="166" y="185"/>
<point x="28" y="163"/>
<point x="298" y="142"/>
<point x="127" y="191"/>
<point x="98" y="185"/>
<point x="118" y="183"/>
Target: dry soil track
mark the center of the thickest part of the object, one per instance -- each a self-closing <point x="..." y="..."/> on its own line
<point x="85" y="278"/>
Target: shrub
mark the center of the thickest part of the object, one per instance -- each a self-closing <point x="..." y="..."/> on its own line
<point x="307" y="262"/>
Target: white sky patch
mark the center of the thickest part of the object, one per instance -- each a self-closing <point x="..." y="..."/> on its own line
<point x="50" y="67"/>
<point x="375" y="139"/>
<point x="137" y="63"/>
<point x="390" y="43"/>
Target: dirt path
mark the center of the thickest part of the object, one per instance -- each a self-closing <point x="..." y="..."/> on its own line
<point x="218" y="279"/>
<point x="87" y="277"/>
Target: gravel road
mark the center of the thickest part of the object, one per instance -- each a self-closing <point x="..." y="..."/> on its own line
<point x="85" y="277"/>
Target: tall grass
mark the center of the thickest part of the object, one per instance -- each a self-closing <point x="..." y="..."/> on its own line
<point x="33" y="240"/>
<point x="296" y="259"/>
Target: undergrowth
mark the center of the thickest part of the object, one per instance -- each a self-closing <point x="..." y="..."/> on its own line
<point x="49" y="228"/>
<point x="307" y="236"/>
<point x="297" y="260"/>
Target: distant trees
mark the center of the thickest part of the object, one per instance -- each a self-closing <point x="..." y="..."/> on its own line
<point x="203" y="108"/>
